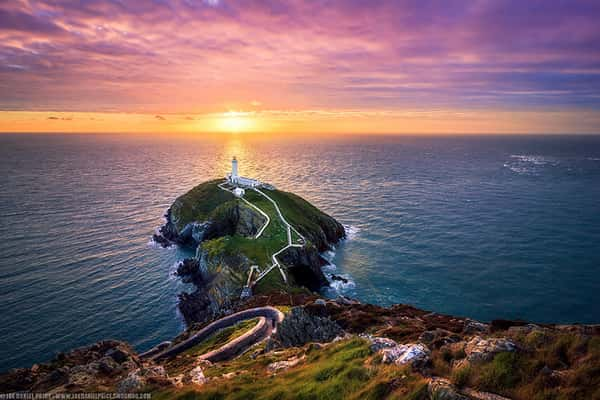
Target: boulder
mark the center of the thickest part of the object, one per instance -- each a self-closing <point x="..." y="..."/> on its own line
<point x="438" y="337"/>
<point x="300" y="327"/>
<point x="197" y="376"/>
<point x="379" y="343"/>
<point x="479" y="349"/>
<point x="414" y="354"/>
<point x="442" y="389"/>
<point x="189" y="271"/>
<point x="475" y="327"/>
<point x="138" y="379"/>
<point x="320" y="302"/>
<point x="285" y="364"/>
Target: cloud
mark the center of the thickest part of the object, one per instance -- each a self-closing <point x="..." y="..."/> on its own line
<point x="160" y="117"/>
<point x="213" y="55"/>
<point x="60" y="118"/>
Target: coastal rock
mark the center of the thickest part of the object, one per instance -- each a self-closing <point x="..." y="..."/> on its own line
<point x="206" y="214"/>
<point x="197" y="376"/>
<point x="195" y="306"/>
<point x="189" y="271"/>
<point x="442" y="389"/>
<point x="415" y="354"/>
<point x="475" y="327"/>
<point x="479" y="349"/>
<point x="439" y="337"/>
<point x="320" y="302"/>
<point x="77" y="370"/>
<point x="278" y="366"/>
<point x="141" y="377"/>
<point x="300" y="327"/>
<point x="339" y="278"/>
<point x="304" y="264"/>
<point x="380" y="343"/>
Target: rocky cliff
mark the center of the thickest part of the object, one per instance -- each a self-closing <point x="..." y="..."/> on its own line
<point x="343" y="349"/>
<point x="222" y="229"/>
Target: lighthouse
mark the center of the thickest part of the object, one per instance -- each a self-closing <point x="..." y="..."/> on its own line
<point x="234" y="177"/>
<point x="234" y="170"/>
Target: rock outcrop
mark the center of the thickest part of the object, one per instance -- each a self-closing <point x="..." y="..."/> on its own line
<point x="301" y="327"/>
<point x="416" y="355"/>
<point x="442" y="389"/>
<point x="479" y="349"/>
<point x="304" y="264"/>
<point x="103" y="363"/>
<point x="212" y="220"/>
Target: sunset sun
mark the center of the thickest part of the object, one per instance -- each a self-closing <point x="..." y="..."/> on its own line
<point x="236" y="122"/>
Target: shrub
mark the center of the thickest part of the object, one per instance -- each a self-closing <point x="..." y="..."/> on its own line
<point x="501" y="374"/>
<point x="420" y="393"/>
<point x="460" y="376"/>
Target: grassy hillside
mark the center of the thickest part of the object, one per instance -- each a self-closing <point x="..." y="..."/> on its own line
<point x="300" y="213"/>
<point x="209" y="202"/>
<point x="344" y="370"/>
<point x="198" y="203"/>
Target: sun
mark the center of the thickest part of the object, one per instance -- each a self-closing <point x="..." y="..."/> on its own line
<point x="236" y="121"/>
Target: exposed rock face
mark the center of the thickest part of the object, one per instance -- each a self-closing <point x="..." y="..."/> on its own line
<point x="479" y="349"/>
<point x="207" y="212"/>
<point x="339" y="278"/>
<point x="195" y="306"/>
<point x="141" y="377"/>
<point x="102" y="363"/>
<point x="304" y="264"/>
<point x="189" y="271"/>
<point x="439" y="337"/>
<point x="228" y="219"/>
<point x="414" y="354"/>
<point x="218" y="290"/>
<point x="197" y="376"/>
<point x="327" y="233"/>
<point x="474" y="327"/>
<point x="442" y="389"/>
<point x="300" y="327"/>
<point x="278" y="366"/>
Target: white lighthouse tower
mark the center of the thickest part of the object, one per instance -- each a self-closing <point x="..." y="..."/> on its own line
<point x="240" y="181"/>
<point x="234" y="170"/>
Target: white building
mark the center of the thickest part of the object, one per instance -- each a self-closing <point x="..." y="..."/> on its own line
<point x="236" y="179"/>
<point x="239" y="192"/>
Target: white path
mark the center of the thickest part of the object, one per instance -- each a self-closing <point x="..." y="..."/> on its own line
<point x="260" y="232"/>
<point x="289" y="228"/>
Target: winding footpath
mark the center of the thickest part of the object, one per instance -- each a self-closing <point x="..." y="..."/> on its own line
<point x="269" y="318"/>
<point x="289" y="228"/>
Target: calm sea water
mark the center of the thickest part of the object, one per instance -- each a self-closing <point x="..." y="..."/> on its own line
<point x="485" y="227"/>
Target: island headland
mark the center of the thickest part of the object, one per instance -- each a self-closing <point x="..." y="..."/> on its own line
<point x="258" y="328"/>
<point x="249" y="238"/>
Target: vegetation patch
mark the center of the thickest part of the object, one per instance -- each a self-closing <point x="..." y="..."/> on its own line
<point x="198" y="203"/>
<point x="213" y="342"/>
<point x="339" y="371"/>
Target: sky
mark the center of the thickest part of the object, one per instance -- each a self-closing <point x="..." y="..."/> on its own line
<point x="348" y="66"/>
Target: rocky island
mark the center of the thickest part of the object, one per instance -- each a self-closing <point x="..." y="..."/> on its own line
<point x="258" y="328"/>
<point x="235" y="239"/>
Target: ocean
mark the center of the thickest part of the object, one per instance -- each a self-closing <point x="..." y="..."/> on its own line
<point x="478" y="226"/>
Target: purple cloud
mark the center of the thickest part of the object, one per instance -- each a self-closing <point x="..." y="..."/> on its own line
<point x="194" y="56"/>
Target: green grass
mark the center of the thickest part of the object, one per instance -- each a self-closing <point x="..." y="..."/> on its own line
<point x="297" y="211"/>
<point x="208" y="201"/>
<point x="213" y="342"/>
<point x="339" y="371"/>
<point x="270" y="282"/>
<point x="198" y="203"/>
